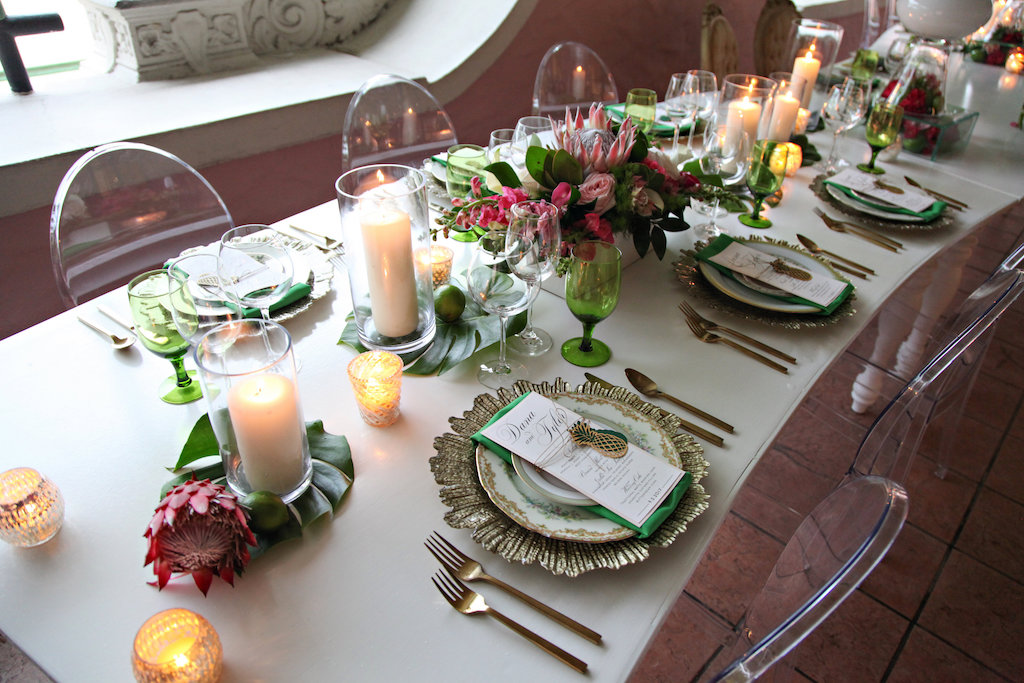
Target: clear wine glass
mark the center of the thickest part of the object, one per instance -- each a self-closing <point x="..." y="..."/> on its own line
<point x="765" y="173"/>
<point x="719" y="149"/>
<point x="150" y="299"/>
<point x="702" y="86"/>
<point x="498" y="292"/>
<point x="881" y="130"/>
<point x="844" y="106"/>
<point x="197" y="302"/>
<point x="533" y="241"/>
<point x="679" y="107"/>
<point x="254" y="268"/>
<point x="499" y="145"/>
<point x="592" y="292"/>
<point x="526" y="134"/>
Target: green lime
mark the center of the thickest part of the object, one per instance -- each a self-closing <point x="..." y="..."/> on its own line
<point x="449" y="303"/>
<point x="267" y="512"/>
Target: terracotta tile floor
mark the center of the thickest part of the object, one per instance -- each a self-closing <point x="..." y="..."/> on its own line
<point x="947" y="603"/>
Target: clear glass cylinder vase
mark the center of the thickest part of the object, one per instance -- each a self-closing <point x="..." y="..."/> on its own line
<point x="813" y="46"/>
<point x="385" y="224"/>
<point x="248" y="375"/>
<point x="742" y="105"/>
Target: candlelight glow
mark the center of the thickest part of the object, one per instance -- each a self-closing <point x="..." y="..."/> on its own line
<point x="31" y="507"/>
<point x="177" y="645"/>
<point x="376" y="378"/>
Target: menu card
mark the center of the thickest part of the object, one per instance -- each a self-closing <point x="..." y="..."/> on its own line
<point x="864" y="183"/>
<point x="537" y="430"/>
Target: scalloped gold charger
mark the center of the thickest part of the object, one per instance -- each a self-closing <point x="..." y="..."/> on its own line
<point x="455" y="470"/>
<point x="841" y="203"/>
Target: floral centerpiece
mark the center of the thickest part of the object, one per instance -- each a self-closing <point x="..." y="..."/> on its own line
<point x="923" y="103"/>
<point x="606" y="179"/>
<point x="995" y="50"/>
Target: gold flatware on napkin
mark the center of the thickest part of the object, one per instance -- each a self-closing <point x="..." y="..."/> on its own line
<point x="812" y="247"/>
<point x="648" y="387"/>
<point x="117" y="341"/>
<point x="858" y="230"/>
<point x="691" y="314"/>
<point x="955" y="203"/>
<point x="469" y="602"/>
<point x="463" y="567"/>
<point x="709" y="337"/>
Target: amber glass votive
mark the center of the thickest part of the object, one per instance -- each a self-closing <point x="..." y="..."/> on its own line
<point x="177" y="645"/>
<point x="376" y="378"/>
<point x="31" y="507"/>
<point x="441" y="264"/>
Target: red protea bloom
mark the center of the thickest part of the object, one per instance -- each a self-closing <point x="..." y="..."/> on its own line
<point x="198" y="529"/>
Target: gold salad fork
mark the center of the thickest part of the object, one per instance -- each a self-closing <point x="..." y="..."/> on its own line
<point x="469" y="602"/>
<point x="705" y="335"/>
<point x="690" y="312"/>
<point x="858" y="230"/>
<point x="466" y="568"/>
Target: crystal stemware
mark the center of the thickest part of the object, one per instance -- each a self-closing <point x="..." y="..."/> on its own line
<point x="255" y="269"/>
<point x="499" y="145"/>
<point x="702" y="87"/>
<point x="150" y="299"/>
<point x="882" y="127"/>
<point x="641" y="107"/>
<point x="527" y="134"/>
<point x="197" y="302"/>
<point x="498" y="292"/>
<point x="679" y="106"/>
<point x="592" y="292"/>
<point x="765" y="173"/>
<point x="844" y="106"/>
<point x="720" y="149"/>
<point x="533" y="241"/>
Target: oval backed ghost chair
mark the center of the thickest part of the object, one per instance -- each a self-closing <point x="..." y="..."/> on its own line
<point x="574" y="76"/>
<point x="124" y="208"/>
<point x="394" y="120"/>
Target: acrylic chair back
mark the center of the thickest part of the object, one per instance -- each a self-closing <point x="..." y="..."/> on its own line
<point x="124" y="208"/>
<point x="574" y="76"/>
<point x="394" y="120"/>
<point x="832" y="551"/>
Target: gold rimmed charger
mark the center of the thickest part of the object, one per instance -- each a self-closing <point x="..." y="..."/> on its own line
<point x="455" y="470"/>
<point x="874" y="220"/>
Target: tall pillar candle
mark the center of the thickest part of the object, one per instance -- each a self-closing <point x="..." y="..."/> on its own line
<point x="805" y="75"/>
<point x="784" y="111"/>
<point x="579" y="83"/>
<point x="390" y="271"/>
<point x="743" y="117"/>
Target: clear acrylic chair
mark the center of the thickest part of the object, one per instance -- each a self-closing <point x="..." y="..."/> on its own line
<point x="124" y="208"/>
<point x="832" y="551"/>
<point x="394" y="120"/>
<point x="574" y="76"/>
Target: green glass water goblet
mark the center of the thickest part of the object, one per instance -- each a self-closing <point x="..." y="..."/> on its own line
<point x="881" y="129"/>
<point x="765" y="173"/>
<point x="641" y="106"/>
<point x="150" y="299"/>
<point x="592" y="292"/>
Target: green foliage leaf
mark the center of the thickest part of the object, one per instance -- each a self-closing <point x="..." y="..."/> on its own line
<point x="330" y="448"/>
<point x="535" y="160"/>
<point x="639" y="151"/>
<point x="673" y="224"/>
<point x="505" y="174"/>
<point x="565" y="168"/>
<point x="201" y="442"/>
<point x="312" y="505"/>
<point x="658" y="241"/>
<point x="331" y="482"/>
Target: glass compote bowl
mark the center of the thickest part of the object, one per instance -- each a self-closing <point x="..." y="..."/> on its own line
<point x="533" y="241"/>
<point x="498" y="292"/>
<point x="844" y="106"/>
<point x="592" y="292"/>
<point x="197" y="302"/>
<point x="882" y="127"/>
<point x="765" y="173"/>
<point x="642" y="107"/>
<point x="254" y="268"/>
<point x="150" y="299"/>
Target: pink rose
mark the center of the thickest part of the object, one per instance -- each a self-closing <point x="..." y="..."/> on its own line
<point x="599" y="188"/>
<point x="599" y="227"/>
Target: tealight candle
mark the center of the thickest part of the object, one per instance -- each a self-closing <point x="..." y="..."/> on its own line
<point x="376" y="378"/>
<point x="803" y="117"/>
<point x="31" y="507"/>
<point x="1015" y="61"/>
<point x="177" y="645"/>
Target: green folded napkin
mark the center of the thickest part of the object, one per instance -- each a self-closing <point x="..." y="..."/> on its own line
<point x="666" y="508"/>
<point x="662" y="126"/>
<point x="723" y="241"/>
<point x="928" y="215"/>
<point x="443" y="162"/>
<point x="299" y="291"/>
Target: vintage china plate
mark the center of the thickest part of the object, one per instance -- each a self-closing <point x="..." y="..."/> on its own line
<point x="537" y="511"/>
<point x="852" y="203"/>
<point x="548" y="485"/>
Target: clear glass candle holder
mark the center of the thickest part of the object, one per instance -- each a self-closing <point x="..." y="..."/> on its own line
<point x="742" y="108"/>
<point x="385" y="224"/>
<point x="376" y="378"/>
<point x="439" y="258"/>
<point x="813" y="46"/>
<point x="248" y="375"/>
<point x="177" y="645"/>
<point x="31" y="507"/>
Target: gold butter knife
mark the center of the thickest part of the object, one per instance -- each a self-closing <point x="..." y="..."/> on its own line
<point x="955" y="203"/>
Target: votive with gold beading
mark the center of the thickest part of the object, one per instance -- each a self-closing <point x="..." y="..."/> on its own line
<point x="31" y="507"/>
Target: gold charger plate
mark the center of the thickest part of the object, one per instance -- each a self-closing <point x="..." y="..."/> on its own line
<point x="455" y="470"/>
<point x="821" y="192"/>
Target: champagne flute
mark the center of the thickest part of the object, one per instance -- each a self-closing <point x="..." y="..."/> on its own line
<point x="679" y="106"/>
<point x="765" y="173"/>
<point x="702" y="86"/>
<point x="497" y="292"/>
<point x="642" y="107"/>
<point x="150" y="299"/>
<point x="844" y="106"/>
<point x="197" y="302"/>
<point x="255" y="269"/>
<point x="882" y="127"/>
<point x="592" y="291"/>
<point x="533" y="241"/>
<point x="720" y="148"/>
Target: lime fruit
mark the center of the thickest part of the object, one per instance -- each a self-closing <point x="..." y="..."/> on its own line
<point x="267" y="512"/>
<point x="449" y="303"/>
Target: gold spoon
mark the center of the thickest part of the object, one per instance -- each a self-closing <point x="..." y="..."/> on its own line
<point x="117" y="341"/>
<point x="647" y="386"/>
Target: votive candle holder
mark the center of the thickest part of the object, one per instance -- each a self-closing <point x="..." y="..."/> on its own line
<point x="441" y="264"/>
<point x="177" y="645"/>
<point x="376" y="378"/>
<point x="31" y="508"/>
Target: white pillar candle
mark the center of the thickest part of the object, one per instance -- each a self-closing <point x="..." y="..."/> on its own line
<point x="409" y="126"/>
<point x="743" y="117"/>
<point x="390" y="272"/>
<point x="579" y="82"/>
<point x="784" y="111"/>
<point x="265" y="417"/>
<point x="805" y="74"/>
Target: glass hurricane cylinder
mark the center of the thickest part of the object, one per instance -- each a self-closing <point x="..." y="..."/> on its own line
<point x="385" y="224"/>
<point x="742" y="106"/>
<point x="248" y="375"/>
<point x="31" y="508"/>
<point x="177" y="645"/>
<point x="813" y="46"/>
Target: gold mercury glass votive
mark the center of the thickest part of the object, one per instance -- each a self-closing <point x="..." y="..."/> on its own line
<point x="177" y="645"/>
<point x="376" y="378"/>
<point x="439" y="258"/>
<point x="31" y="507"/>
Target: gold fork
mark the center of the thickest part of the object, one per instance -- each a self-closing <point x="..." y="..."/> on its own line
<point x="466" y="568"/>
<point x="858" y="230"/>
<point x="690" y="312"/>
<point x="469" y="602"/>
<point x="711" y="338"/>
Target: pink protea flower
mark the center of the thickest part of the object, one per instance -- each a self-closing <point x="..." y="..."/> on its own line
<point x="595" y="147"/>
<point x="198" y="529"/>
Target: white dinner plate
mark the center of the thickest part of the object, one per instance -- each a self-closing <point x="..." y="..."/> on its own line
<point x="735" y="289"/>
<point x="847" y="200"/>
<point x="548" y="484"/>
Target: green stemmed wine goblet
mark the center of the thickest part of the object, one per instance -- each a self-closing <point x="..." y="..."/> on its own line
<point x="641" y="106"/>
<point x="881" y="129"/>
<point x="150" y="299"/>
<point x="765" y="173"/>
<point x="592" y="291"/>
